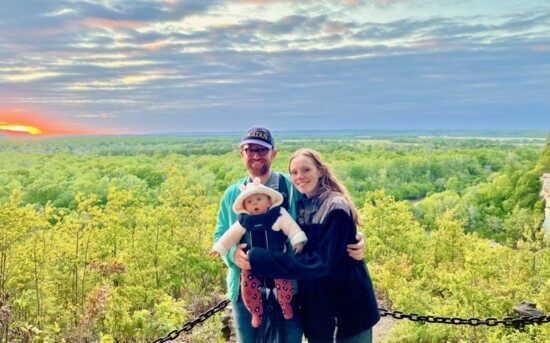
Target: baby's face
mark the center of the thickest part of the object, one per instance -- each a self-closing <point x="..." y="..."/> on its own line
<point x="257" y="203"/>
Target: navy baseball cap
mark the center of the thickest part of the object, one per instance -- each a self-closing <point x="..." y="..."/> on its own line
<point x="258" y="135"/>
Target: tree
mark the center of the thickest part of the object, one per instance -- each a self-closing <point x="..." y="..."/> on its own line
<point x="543" y="164"/>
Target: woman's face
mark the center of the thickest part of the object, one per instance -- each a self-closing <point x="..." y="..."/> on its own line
<point x="304" y="175"/>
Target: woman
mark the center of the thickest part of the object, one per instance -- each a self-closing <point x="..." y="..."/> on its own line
<point x="337" y="296"/>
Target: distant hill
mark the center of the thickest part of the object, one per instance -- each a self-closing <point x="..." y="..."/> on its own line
<point x="358" y="134"/>
<point x="378" y="133"/>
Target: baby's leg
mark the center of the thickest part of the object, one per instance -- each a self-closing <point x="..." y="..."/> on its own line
<point x="285" y="291"/>
<point x="252" y="296"/>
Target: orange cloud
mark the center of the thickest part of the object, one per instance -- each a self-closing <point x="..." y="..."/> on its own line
<point x="114" y="23"/>
<point x="156" y="45"/>
<point x="335" y="28"/>
<point x="26" y="123"/>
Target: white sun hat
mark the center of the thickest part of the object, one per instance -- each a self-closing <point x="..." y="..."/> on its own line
<point x="255" y="187"/>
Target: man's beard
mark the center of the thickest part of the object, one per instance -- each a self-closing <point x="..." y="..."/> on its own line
<point x="259" y="171"/>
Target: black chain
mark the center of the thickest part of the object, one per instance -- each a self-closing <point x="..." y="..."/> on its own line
<point x="189" y="325"/>
<point x="507" y="321"/>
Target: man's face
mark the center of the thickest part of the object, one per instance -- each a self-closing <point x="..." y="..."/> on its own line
<point x="257" y="164"/>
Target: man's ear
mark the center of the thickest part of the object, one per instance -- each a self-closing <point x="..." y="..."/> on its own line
<point x="273" y="153"/>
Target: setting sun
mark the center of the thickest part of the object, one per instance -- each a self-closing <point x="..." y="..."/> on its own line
<point x="21" y="129"/>
<point x="23" y="122"/>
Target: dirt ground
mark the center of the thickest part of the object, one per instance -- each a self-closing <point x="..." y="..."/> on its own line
<point x="381" y="329"/>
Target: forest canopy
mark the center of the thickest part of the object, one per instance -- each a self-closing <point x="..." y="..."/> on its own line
<point x="105" y="238"/>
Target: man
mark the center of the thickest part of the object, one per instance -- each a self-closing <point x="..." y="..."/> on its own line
<point x="257" y="150"/>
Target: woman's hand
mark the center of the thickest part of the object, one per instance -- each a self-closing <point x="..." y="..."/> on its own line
<point x="357" y="250"/>
<point x="241" y="258"/>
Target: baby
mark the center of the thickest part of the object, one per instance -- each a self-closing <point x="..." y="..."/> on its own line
<point x="261" y="216"/>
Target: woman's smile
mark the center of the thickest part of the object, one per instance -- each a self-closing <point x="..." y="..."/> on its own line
<point x="304" y="175"/>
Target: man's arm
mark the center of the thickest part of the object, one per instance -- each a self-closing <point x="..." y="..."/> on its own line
<point x="357" y="250"/>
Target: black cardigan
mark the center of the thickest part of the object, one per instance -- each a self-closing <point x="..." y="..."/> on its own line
<point x="335" y="290"/>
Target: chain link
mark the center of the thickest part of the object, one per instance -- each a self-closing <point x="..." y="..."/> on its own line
<point x="507" y="321"/>
<point x="189" y="325"/>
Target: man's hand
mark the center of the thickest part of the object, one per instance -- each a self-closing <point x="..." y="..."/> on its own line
<point x="240" y="257"/>
<point x="357" y="250"/>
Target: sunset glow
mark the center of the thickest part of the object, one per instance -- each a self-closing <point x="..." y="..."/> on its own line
<point x="21" y="129"/>
<point x="24" y="122"/>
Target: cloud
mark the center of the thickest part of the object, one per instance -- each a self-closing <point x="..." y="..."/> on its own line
<point x="109" y="23"/>
<point x="159" y="64"/>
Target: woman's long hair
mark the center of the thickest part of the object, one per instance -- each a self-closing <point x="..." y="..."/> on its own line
<point x="328" y="181"/>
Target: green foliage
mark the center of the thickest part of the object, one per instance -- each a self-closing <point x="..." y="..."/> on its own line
<point x="543" y="165"/>
<point x="105" y="239"/>
<point x="436" y="205"/>
<point x="391" y="227"/>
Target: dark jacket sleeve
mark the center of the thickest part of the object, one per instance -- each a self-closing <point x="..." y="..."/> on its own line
<point x="318" y="262"/>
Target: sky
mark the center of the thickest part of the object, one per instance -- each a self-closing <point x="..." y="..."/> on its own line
<point x="144" y="66"/>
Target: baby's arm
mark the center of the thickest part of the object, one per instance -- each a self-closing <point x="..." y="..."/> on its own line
<point x="292" y="230"/>
<point x="231" y="237"/>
